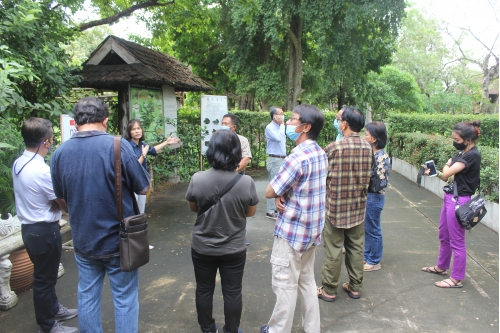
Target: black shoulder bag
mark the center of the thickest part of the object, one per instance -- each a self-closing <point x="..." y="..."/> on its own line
<point x="472" y="212"/>
<point x="216" y="198"/>
<point x="134" y="241"/>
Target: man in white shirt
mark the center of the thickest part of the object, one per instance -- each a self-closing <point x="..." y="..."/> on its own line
<point x="39" y="211"/>
<point x="275" y="150"/>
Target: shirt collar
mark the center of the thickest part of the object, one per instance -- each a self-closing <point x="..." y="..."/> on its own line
<point x="84" y="134"/>
<point x="30" y="154"/>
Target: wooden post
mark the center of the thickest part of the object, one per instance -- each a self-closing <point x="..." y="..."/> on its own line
<point x="123" y="108"/>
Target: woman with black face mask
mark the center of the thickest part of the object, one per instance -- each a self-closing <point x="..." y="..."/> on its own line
<point x="464" y="167"/>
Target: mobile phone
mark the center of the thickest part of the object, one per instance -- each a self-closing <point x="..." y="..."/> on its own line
<point x="431" y="166"/>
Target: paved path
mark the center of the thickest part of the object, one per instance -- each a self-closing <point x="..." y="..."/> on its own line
<point x="398" y="298"/>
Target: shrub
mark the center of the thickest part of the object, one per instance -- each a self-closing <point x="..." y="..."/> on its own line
<point x="442" y="124"/>
<point x="416" y="148"/>
<point x="252" y="125"/>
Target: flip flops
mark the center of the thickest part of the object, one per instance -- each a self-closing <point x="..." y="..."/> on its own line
<point x="453" y="284"/>
<point x="346" y="288"/>
<point x="322" y="296"/>
<point x="433" y="270"/>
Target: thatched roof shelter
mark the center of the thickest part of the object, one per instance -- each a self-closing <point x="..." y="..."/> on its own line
<point x="117" y="61"/>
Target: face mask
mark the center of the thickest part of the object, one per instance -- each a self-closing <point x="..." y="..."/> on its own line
<point x="283" y="118"/>
<point x="50" y="147"/>
<point x="336" y="124"/>
<point x="459" y="146"/>
<point x="224" y="128"/>
<point x="290" y="132"/>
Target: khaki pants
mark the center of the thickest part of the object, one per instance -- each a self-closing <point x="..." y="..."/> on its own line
<point x="353" y="240"/>
<point x="293" y="272"/>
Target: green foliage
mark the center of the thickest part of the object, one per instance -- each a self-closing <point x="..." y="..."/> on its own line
<point x="351" y="39"/>
<point x="34" y="68"/>
<point x="448" y="85"/>
<point x="442" y="124"/>
<point x="243" y="47"/>
<point x="392" y="90"/>
<point x="416" y="148"/>
<point x="11" y="140"/>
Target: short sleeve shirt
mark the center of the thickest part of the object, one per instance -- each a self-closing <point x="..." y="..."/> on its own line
<point x="467" y="180"/>
<point x="245" y="147"/>
<point x="221" y="229"/>
<point x="137" y="148"/>
<point x="33" y="189"/>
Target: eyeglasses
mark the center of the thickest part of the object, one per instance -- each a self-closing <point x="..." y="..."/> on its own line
<point x="294" y="119"/>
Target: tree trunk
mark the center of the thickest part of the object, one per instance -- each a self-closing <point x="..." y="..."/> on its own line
<point x="489" y="74"/>
<point x="294" y="87"/>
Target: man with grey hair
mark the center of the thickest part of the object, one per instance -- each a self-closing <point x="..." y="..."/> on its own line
<point x="83" y="174"/>
<point x="275" y="150"/>
<point x="39" y="211"/>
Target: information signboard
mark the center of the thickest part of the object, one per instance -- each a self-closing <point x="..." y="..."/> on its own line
<point x="68" y="128"/>
<point x="212" y="110"/>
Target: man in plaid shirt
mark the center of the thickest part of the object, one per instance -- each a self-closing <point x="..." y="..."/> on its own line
<point x="349" y="164"/>
<point x="299" y="188"/>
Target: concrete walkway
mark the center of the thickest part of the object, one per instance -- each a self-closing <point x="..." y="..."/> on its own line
<point x="398" y="298"/>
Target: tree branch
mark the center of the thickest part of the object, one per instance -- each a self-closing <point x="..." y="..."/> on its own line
<point x="123" y="13"/>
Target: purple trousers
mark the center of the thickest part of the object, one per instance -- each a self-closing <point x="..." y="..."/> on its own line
<point x="452" y="238"/>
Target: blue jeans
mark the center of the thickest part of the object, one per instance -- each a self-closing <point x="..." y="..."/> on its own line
<point x="373" y="232"/>
<point x="273" y="165"/>
<point x="124" y="287"/>
<point x="44" y="246"/>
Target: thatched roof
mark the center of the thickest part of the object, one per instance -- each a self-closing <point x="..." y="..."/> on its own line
<point x="116" y="62"/>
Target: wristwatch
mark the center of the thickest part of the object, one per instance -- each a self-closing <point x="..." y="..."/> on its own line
<point x="143" y="155"/>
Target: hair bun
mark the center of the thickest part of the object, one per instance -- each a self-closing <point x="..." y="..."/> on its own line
<point x="476" y="123"/>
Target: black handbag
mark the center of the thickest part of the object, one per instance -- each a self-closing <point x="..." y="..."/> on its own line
<point x="134" y="241"/>
<point x="472" y="212"/>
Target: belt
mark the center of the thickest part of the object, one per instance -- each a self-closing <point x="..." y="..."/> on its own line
<point x="277" y="156"/>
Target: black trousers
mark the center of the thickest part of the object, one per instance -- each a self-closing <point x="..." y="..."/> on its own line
<point x="231" y="269"/>
<point x="44" y="246"/>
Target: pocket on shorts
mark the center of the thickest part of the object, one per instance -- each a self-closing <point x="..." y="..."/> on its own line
<point x="281" y="268"/>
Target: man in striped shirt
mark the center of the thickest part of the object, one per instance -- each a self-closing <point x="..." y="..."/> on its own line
<point x="349" y="164"/>
<point x="299" y="188"/>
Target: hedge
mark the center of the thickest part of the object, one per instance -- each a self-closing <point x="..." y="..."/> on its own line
<point x="416" y="148"/>
<point x="442" y="124"/>
<point x="252" y="125"/>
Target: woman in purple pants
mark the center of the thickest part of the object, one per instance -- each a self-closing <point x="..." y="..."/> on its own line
<point x="464" y="167"/>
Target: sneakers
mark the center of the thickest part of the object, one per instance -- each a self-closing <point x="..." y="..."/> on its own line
<point x="65" y="313"/>
<point x="264" y="329"/>
<point x="272" y="216"/>
<point x="369" y="268"/>
<point x="58" y="328"/>
<point x="247" y="241"/>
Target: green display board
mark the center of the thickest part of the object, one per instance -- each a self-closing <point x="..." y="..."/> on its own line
<point x="147" y="105"/>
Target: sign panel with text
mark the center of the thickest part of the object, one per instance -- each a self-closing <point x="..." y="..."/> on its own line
<point x="68" y="127"/>
<point x="212" y="110"/>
